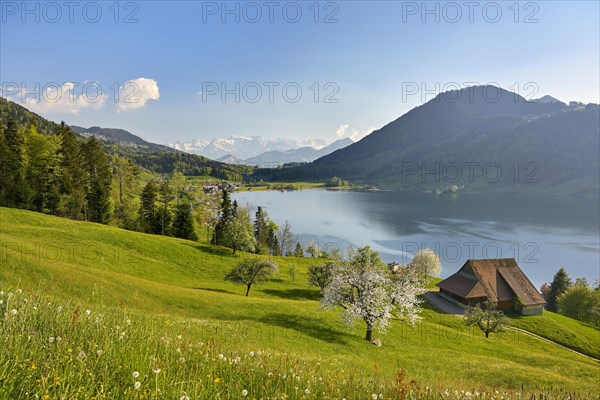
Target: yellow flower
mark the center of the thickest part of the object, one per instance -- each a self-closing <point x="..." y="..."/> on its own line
<point x="33" y="367"/>
<point x="217" y="380"/>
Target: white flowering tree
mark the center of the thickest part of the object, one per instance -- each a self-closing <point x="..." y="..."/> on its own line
<point x="427" y="262"/>
<point x="366" y="289"/>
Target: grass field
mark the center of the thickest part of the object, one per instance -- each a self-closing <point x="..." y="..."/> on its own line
<point x="169" y="287"/>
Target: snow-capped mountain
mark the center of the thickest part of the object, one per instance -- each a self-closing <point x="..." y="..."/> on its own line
<point x="243" y="147"/>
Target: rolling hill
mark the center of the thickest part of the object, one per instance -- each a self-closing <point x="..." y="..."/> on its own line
<point x="483" y="137"/>
<point x="168" y="296"/>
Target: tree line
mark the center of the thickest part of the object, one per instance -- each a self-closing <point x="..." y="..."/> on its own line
<point x="578" y="300"/>
<point x="236" y="229"/>
<point x="66" y="175"/>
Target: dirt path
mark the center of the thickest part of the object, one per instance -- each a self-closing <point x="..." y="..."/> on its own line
<point x="446" y="306"/>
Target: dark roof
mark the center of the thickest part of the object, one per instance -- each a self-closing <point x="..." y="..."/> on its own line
<point x="498" y="279"/>
<point x="463" y="286"/>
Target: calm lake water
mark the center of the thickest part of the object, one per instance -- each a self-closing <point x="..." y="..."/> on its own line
<point x="542" y="233"/>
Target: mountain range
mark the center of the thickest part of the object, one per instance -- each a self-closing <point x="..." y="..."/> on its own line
<point x="482" y="137"/>
<point x="243" y="147"/>
<point x="277" y="157"/>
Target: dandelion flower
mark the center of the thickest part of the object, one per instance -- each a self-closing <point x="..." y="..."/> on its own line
<point x="184" y="397"/>
<point x="10" y="295"/>
<point x="137" y="385"/>
<point x="81" y="355"/>
<point x="251" y="354"/>
<point x="59" y="309"/>
<point x="306" y="391"/>
<point x="244" y="393"/>
<point x="13" y="312"/>
<point x="88" y="312"/>
<point x="136" y="374"/>
<point x="128" y="322"/>
<point x="374" y="396"/>
<point x="156" y="370"/>
<point x="221" y="356"/>
<point x="51" y="339"/>
<point x="19" y="291"/>
<point x="58" y="338"/>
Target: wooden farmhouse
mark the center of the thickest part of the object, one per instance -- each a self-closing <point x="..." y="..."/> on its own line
<point x="499" y="280"/>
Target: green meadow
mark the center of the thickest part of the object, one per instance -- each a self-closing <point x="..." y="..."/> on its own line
<point x="124" y="302"/>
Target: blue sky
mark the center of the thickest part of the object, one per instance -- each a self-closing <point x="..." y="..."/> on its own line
<point x="368" y="58"/>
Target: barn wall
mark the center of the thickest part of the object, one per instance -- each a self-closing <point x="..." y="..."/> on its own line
<point x="532" y="310"/>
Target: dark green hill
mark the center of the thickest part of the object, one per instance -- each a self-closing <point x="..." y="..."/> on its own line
<point x="470" y="137"/>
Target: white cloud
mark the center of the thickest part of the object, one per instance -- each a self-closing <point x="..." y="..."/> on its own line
<point x="353" y="133"/>
<point x="356" y="135"/>
<point x="341" y="131"/>
<point x="53" y="98"/>
<point x="135" y="93"/>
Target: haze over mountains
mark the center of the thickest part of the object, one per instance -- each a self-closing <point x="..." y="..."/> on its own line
<point x="243" y="147"/>
<point x="479" y="136"/>
<point x="277" y="157"/>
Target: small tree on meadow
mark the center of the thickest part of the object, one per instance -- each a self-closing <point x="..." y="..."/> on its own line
<point x="320" y="275"/>
<point x="313" y="249"/>
<point x="365" y="289"/>
<point x="251" y="271"/>
<point x="486" y="317"/>
<point x="299" y="252"/>
<point x="286" y="239"/>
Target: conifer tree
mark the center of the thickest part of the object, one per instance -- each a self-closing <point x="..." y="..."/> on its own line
<point x="560" y="283"/>
<point x="99" y="181"/>
<point x="183" y="225"/>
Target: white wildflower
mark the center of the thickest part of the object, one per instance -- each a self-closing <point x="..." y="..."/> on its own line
<point x="135" y="374"/>
<point x="244" y="393"/>
<point x="137" y="385"/>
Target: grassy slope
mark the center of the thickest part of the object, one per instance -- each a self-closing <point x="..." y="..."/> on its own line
<point x="566" y="331"/>
<point x="94" y="265"/>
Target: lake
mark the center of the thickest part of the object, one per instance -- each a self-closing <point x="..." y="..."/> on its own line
<point x="542" y="233"/>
